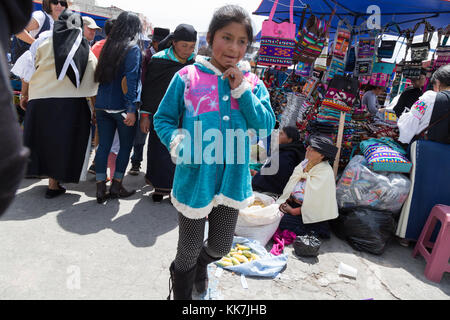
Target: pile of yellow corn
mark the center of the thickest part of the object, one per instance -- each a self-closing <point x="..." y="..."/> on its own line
<point x="238" y="255"/>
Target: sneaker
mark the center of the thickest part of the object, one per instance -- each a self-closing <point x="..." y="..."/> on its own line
<point x="92" y="169"/>
<point x="135" y="169"/>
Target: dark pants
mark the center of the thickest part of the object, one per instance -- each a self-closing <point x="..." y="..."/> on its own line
<point x="138" y="148"/>
<point x="107" y="124"/>
<point x="296" y="225"/>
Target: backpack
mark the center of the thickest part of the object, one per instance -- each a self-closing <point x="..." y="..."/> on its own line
<point x="19" y="47"/>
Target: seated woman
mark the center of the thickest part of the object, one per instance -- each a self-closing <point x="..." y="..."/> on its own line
<point x="289" y="154"/>
<point x="309" y="199"/>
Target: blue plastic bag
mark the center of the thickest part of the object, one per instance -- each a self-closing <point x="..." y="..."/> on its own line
<point x="267" y="266"/>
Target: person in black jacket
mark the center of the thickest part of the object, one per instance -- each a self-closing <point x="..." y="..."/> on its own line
<point x="14" y="16"/>
<point x="439" y="129"/>
<point x="410" y="95"/>
<point x="177" y="51"/>
<point x="291" y="152"/>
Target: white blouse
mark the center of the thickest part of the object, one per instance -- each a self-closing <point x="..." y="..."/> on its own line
<point x="418" y="118"/>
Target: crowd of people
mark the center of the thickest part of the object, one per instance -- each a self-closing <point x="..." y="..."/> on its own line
<point x="164" y="92"/>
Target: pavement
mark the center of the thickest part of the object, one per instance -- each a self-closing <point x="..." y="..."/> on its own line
<point x="73" y="248"/>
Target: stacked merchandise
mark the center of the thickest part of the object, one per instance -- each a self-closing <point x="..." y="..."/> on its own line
<point x="305" y="108"/>
<point x="340" y="97"/>
<point x="278" y="100"/>
<point x="293" y="107"/>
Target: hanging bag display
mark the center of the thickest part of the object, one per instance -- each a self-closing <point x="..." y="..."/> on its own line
<point x="381" y="73"/>
<point x="277" y="40"/>
<point x="341" y="41"/>
<point x="410" y="69"/>
<point x="442" y="52"/>
<point x="366" y="48"/>
<point x="365" y="55"/>
<point x="386" y="49"/>
<point x="311" y="38"/>
<point x="420" y="51"/>
<point x="321" y="62"/>
<point x="303" y="69"/>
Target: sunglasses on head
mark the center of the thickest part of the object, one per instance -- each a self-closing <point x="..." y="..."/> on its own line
<point x="62" y="3"/>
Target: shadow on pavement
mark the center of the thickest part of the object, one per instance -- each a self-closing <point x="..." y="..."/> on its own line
<point x="32" y="204"/>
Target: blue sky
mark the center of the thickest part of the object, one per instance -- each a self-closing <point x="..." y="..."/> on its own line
<point x="170" y="13"/>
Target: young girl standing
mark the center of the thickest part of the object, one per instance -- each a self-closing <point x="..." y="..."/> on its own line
<point x="216" y="93"/>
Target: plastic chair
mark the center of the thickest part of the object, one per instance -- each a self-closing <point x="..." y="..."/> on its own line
<point x="438" y="259"/>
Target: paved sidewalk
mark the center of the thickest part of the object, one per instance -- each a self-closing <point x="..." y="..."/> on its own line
<point x="73" y="248"/>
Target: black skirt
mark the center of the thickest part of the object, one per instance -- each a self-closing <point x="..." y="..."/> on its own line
<point x="57" y="133"/>
<point x="160" y="168"/>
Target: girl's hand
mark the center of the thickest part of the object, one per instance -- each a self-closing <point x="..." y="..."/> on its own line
<point x="235" y="77"/>
<point x="130" y="120"/>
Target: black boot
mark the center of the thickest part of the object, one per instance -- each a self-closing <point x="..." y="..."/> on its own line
<point x="201" y="275"/>
<point x="118" y="191"/>
<point x="102" y="195"/>
<point x="181" y="283"/>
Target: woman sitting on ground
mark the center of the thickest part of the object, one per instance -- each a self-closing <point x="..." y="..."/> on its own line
<point x="309" y="199"/>
<point x="289" y="154"/>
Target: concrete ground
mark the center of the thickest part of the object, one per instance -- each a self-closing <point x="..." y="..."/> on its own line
<point x="73" y="248"/>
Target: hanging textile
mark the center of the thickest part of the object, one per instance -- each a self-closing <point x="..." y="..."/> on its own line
<point x="311" y="38"/>
<point x="277" y="40"/>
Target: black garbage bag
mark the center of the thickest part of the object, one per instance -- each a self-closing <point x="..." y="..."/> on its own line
<point x="364" y="229"/>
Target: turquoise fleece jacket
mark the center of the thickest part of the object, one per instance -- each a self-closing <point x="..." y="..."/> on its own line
<point x="211" y="149"/>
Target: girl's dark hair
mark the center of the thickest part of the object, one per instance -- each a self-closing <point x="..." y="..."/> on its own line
<point x="108" y="26"/>
<point x="46" y="6"/>
<point x="123" y="36"/>
<point x="443" y="75"/>
<point x="229" y="14"/>
<point x="292" y="133"/>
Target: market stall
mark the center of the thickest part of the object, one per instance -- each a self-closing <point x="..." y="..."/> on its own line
<point x="321" y="57"/>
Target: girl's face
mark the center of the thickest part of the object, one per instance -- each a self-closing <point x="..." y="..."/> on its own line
<point x="229" y="46"/>
<point x="184" y="49"/>
<point x="313" y="155"/>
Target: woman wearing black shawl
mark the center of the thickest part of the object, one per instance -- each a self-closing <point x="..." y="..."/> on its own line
<point x="58" y="118"/>
<point x="163" y="66"/>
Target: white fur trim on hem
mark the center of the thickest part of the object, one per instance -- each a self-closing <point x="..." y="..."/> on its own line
<point x="200" y="213"/>
<point x="239" y="91"/>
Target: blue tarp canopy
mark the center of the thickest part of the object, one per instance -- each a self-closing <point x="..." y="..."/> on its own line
<point x="406" y="13"/>
<point x="99" y="20"/>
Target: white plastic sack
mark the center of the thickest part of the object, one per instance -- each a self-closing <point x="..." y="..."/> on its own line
<point x="267" y="266"/>
<point x="259" y="223"/>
